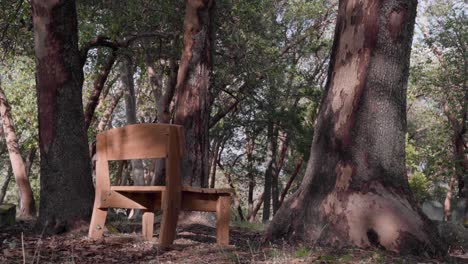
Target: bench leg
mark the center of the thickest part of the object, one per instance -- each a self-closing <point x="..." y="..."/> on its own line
<point x="96" y="227"/>
<point x="148" y="224"/>
<point x="170" y="216"/>
<point x="223" y="215"/>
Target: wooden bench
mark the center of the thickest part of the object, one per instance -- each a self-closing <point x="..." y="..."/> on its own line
<point x="149" y="141"/>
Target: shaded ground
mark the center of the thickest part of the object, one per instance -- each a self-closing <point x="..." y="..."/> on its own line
<point x="195" y="244"/>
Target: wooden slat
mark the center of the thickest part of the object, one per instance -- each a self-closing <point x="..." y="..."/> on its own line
<point x="138" y="189"/>
<point x="199" y="202"/>
<point x="112" y="199"/>
<point x="207" y="190"/>
<point x="171" y="202"/>
<point x="102" y="166"/>
<point x="142" y="141"/>
<point x="223" y="213"/>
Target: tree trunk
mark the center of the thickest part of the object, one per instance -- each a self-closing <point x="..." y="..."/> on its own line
<point x="128" y="86"/>
<point x="250" y="174"/>
<point x="5" y="184"/>
<point x="355" y="191"/>
<point x="271" y="167"/>
<point x="109" y="110"/>
<point x="275" y="187"/>
<point x="448" y="200"/>
<point x="163" y="104"/>
<point x="30" y="160"/>
<point x="256" y="208"/>
<point x="237" y="203"/>
<point x="214" y="161"/>
<point x="27" y="205"/>
<point x="66" y="185"/>
<point x="460" y="155"/>
<point x="98" y="86"/>
<point x="193" y="90"/>
<point x="291" y="180"/>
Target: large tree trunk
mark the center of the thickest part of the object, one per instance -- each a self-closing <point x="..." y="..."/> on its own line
<point x="128" y="86"/>
<point x="355" y="191"/>
<point x="66" y="186"/>
<point x="27" y="204"/>
<point x="193" y="90"/>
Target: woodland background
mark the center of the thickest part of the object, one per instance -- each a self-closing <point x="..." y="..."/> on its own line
<point x="270" y="63"/>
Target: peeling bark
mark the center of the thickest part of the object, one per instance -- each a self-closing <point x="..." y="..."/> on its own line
<point x="193" y="107"/>
<point x="66" y="185"/>
<point x="27" y="205"/>
<point x="355" y="190"/>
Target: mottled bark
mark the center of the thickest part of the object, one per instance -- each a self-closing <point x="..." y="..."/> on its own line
<point x="27" y="205"/>
<point x="128" y="86"/>
<point x="98" y="86"/>
<point x="193" y="107"/>
<point x="355" y="190"/>
<point x="66" y="185"/>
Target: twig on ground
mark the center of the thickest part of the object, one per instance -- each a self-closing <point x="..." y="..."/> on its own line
<point x="37" y="245"/>
<point x="22" y="246"/>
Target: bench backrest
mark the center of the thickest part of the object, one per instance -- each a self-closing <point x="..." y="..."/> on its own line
<point x="141" y="141"/>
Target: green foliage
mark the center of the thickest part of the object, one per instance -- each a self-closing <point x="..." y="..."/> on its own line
<point x="419" y="185"/>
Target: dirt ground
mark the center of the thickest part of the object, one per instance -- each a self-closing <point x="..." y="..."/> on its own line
<point x="195" y="243"/>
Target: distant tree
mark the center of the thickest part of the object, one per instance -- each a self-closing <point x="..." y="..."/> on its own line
<point x="66" y="184"/>
<point x="355" y="191"/>
<point x="27" y="204"/>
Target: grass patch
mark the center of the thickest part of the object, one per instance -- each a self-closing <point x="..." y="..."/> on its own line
<point x="302" y="252"/>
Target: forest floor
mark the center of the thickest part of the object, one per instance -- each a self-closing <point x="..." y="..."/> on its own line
<point x="195" y="243"/>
